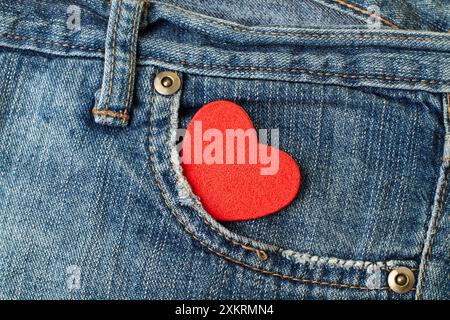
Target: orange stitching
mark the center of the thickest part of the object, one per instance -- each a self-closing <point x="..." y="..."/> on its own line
<point x="351" y="6"/>
<point x="132" y="55"/>
<point x="448" y="105"/>
<point x="262" y="255"/>
<point x="251" y="267"/>
<point x="113" y="55"/>
<point x="110" y="113"/>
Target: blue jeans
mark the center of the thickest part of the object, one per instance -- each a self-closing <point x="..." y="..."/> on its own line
<point x="93" y="201"/>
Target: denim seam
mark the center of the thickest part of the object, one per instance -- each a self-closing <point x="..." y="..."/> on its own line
<point x="358" y="9"/>
<point x="203" y="244"/>
<point x="113" y="56"/>
<point x="274" y="33"/>
<point x="448" y="105"/>
<point x="435" y="219"/>
<point x="249" y="68"/>
<point x="434" y="226"/>
<point x="303" y="71"/>
<point x="130" y="78"/>
<point x="109" y="113"/>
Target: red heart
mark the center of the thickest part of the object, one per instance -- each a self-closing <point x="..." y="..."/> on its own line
<point x="235" y="191"/>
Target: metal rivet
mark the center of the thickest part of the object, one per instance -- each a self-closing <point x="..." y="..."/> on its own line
<point x="401" y="280"/>
<point x="167" y="83"/>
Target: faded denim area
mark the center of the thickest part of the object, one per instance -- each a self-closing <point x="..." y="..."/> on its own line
<point x="93" y="204"/>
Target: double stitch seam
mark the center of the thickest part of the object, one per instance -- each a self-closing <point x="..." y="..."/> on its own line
<point x="303" y="71"/>
<point x="434" y="224"/>
<point x="249" y="68"/>
<point x="130" y="78"/>
<point x="113" y="55"/>
<point x="251" y="267"/>
<point x="448" y="105"/>
<point x="273" y="33"/>
<point x="296" y="35"/>
<point x="329" y="36"/>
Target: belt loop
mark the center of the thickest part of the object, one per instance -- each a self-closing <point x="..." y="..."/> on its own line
<point x="113" y="100"/>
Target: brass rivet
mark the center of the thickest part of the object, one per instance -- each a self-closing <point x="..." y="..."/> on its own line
<point x="401" y="280"/>
<point x="167" y="83"/>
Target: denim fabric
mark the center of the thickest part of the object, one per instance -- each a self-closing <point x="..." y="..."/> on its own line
<point x="112" y="103"/>
<point x="94" y="205"/>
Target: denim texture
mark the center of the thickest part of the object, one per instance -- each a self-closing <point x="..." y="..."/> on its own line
<point x="90" y="176"/>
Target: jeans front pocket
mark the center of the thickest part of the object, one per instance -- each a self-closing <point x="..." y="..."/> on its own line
<point x="366" y="189"/>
